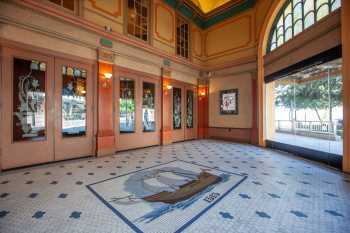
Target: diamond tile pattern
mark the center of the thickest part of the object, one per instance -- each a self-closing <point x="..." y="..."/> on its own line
<point x="282" y="193"/>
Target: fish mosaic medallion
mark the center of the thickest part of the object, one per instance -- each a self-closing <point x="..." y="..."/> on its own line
<point x="153" y="197"/>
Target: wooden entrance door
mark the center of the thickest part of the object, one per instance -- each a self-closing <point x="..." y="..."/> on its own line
<point x="27" y="113"/>
<point x="137" y="104"/>
<point x="73" y="110"/>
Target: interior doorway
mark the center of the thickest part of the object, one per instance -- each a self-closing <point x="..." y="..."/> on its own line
<point x="137" y="104"/>
<point x="47" y="108"/>
<point x="184" y="109"/>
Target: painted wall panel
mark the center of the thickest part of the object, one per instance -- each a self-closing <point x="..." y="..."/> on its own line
<point x="244" y="117"/>
<point x="164" y="23"/>
<point x="105" y="13"/>
<point x="197" y="42"/>
<point x="230" y="35"/>
<point x="32" y="38"/>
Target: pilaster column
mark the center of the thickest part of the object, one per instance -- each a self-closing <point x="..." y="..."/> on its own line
<point x="254" y="133"/>
<point x="345" y="29"/>
<point x="105" y="125"/>
<point x="203" y="108"/>
<point x="167" y="113"/>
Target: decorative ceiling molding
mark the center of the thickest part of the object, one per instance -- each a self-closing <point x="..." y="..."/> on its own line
<point x="189" y="10"/>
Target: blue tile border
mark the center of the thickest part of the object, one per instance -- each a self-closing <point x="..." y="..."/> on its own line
<point x="183" y="227"/>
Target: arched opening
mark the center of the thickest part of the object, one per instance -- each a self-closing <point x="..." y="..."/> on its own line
<point x="300" y="81"/>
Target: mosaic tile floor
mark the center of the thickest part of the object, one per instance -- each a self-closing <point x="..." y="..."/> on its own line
<point x="271" y="192"/>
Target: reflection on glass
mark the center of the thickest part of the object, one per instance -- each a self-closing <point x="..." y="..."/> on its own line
<point x="189" y="106"/>
<point x="307" y="108"/>
<point x="28" y="100"/>
<point x="127" y="106"/>
<point x="148" y="107"/>
<point x="176" y="108"/>
<point x="73" y="101"/>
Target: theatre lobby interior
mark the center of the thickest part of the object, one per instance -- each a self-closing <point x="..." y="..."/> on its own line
<point x="168" y="116"/>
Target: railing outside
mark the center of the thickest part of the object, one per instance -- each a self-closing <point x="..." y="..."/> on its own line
<point x="325" y="130"/>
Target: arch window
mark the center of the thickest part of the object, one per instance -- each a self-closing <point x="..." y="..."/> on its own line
<point x="297" y="15"/>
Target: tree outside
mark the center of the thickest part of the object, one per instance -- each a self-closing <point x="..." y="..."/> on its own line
<point x="316" y="95"/>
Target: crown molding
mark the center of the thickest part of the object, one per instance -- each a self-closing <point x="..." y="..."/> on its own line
<point x="188" y="10"/>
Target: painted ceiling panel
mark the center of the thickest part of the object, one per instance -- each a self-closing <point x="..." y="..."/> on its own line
<point x="209" y="17"/>
<point x="209" y="5"/>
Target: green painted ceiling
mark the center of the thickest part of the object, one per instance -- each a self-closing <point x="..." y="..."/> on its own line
<point x="201" y="19"/>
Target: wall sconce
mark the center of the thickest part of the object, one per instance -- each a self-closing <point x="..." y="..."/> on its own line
<point x="167" y="88"/>
<point x="202" y="93"/>
<point x="107" y="77"/>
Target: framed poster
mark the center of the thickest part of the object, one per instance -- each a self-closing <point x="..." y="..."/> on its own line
<point x="229" y="102"/>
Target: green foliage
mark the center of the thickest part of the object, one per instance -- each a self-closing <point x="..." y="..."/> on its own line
<point x="310" y="95"/>
<point x="127" y="105"/>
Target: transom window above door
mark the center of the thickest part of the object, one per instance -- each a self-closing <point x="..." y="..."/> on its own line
<point x="296" y="16"/>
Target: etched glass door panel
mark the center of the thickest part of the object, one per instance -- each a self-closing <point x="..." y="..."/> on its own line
<point x="189" y="108"/>
<point x="148" y="107"/>
<point x="127" y="106"/>
<point x="29" y="100"/>
<point x="73" y="109"/>
<point x="73" y="101"/>
<point x="177" y="108"/>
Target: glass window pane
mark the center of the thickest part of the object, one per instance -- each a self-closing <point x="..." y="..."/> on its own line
<point x="182" y="35"/>
<point x="309" y="6"/>
<point x="280" y="40"/>
<point x="309" y="20"/>
<point x="303" y="13"/>
<point x="280" y="22"/>
<point x="177" y="108"/>
<point x="138" y="19"/>
<point x="273" y="37"/>
<point x="148" y="107"/>
<point x="298" y="27"/>
<point x="189" y="106"/>
<point x="273" y="46"/>
<point x="288" y="9"/>
<point x="127" y="106"/>
<point x="280" y="31"/>
<point x="73" y="101"/>
<point x="29" y="121"/>
<point x="336" y="4"/>
<point x="298" y="12"/>
<point x="322" y="12"/>
<point x="305" y="109"/>
<point x="321" y="2"/>
<point x="336" y="106"/>
<point x="288" y="21"/>
<point x="288" y="34"/>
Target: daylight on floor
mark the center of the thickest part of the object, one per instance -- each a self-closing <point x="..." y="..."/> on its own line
<point x="169" y="116"/>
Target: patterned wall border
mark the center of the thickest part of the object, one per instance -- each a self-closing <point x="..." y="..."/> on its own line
<point x="115" y="13"/>
<point x="224" y="24"/>
<point x="157" y="6"/>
